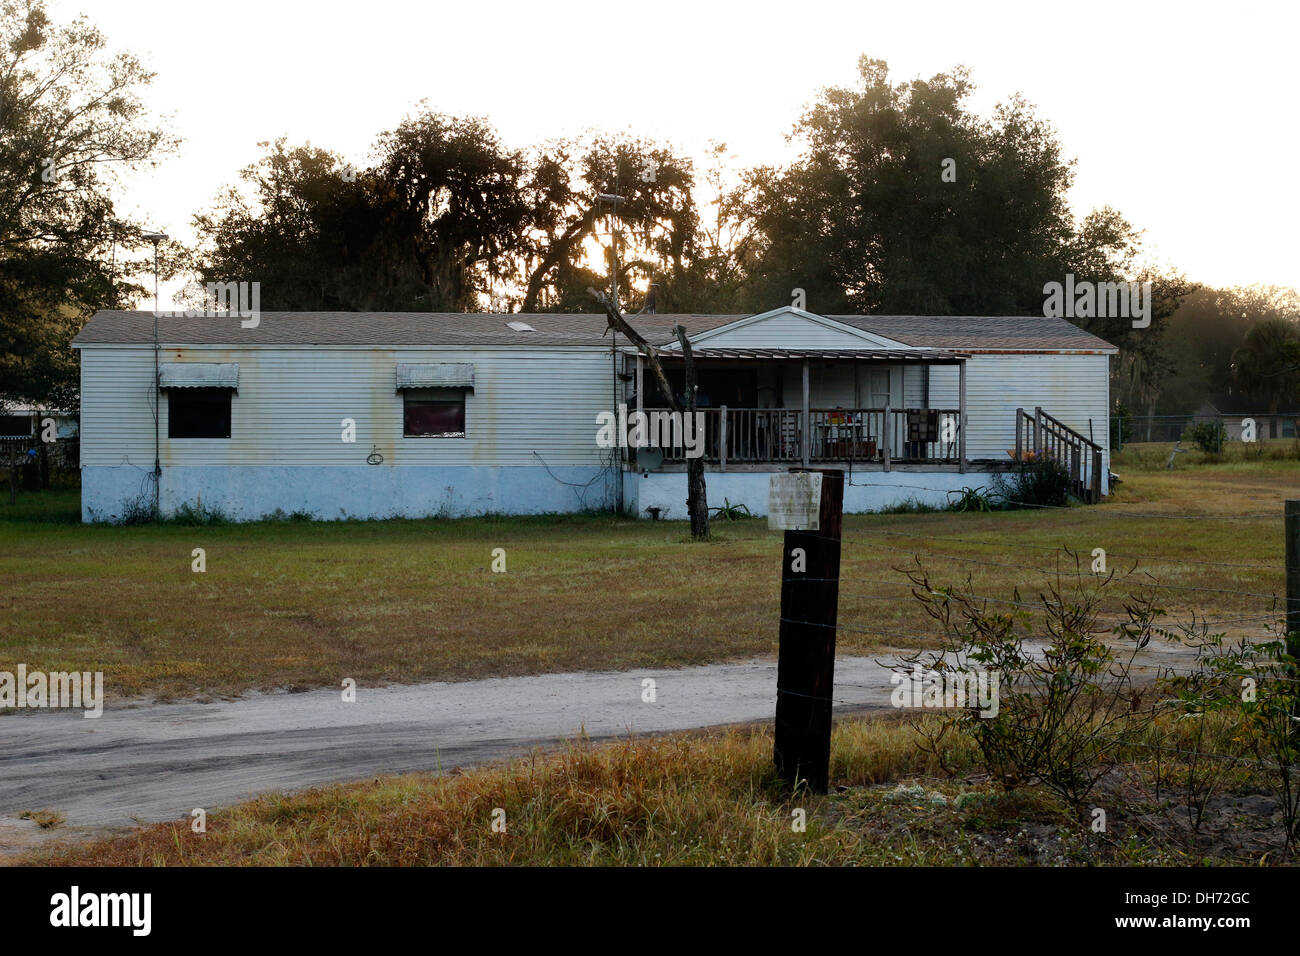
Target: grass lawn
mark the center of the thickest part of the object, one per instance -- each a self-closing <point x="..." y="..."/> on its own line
<point x="301" y="604"/>
<point x="711" y="798"/>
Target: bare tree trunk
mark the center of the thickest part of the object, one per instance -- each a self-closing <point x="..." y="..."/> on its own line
<point x="697" y="502"/>
<point x="697" y="498"/>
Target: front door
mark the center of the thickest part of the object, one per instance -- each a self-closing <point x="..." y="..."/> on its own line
<point x="874" y="389"/>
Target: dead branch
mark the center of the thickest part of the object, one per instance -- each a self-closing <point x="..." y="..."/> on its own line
<point x="619" y="324"/>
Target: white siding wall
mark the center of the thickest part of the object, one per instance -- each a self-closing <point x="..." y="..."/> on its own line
<point x="291" y="402"/>
<point x="914" y="386"/>
<point x="841" y="385"/>
<point x="1072" y="388"/>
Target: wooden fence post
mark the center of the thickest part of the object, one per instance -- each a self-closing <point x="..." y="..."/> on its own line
<point x="1291" y="526"/>
<point x="1291" y="532"/>
<point x="805" y="671"/>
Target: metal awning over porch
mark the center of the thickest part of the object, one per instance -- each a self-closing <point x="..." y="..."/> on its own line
<point x="926" y="356"/>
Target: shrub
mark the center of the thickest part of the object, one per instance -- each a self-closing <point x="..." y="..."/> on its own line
<point x="909" y="506"/>
<point x="972" y="499"/>
<point x="1207" y="436"/>
<point x="138" y="510"/>
<point x="280" y="515"/>
<point x="1121" y="427"/>
<point x="1254" y="683"/>
<point x="1067" y="707"/>
<point x="197" y="514"/>
<point x="1035" y="480"/>
<point x="729" y="512"/>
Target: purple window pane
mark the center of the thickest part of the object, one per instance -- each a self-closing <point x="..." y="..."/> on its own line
<point x="428" y="418"/>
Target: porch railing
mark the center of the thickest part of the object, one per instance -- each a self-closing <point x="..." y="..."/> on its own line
<point x="1041" y="435"/>
<point x="738" y="436"/>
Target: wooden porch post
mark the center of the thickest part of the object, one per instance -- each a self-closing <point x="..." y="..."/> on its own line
<point x="640" y="397"/>
<point x="887" y="433"/>
<point x="640" y="382"/>
<point x="1020" y="427"/>
<point x="807" y="418"/>
<point x="722" y="438"/>
<point x="961" y="416"/>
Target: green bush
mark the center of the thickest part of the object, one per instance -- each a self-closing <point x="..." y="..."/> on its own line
<point x="1041" y="481"/>
<point x="1252" y="682"/>
<point x="1121" y="427"/>
<point x="972" y="499"/>
<point x="197" y="514"/>
<point x="1067" y="702"/>
<point x="729" y="512"/>
<point x="1208" y="436"/>
<point x="910" y="506"/>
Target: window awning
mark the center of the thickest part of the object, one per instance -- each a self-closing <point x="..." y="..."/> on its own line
<point x="198" y="375"/>
<point x="444" y="375"/>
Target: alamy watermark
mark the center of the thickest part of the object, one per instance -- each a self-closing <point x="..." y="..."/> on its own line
<point x="931" y="688"/>
<point x="1100" y="300"/>
<point x="656" y="429"/>
<point x="243" y="299"/>
<point x="128" y="910"/>
<point x="62" y="689"/>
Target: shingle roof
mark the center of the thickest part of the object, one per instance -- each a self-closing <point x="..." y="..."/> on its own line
<point x="967" y="333"/>
<point x="976" y="332"/>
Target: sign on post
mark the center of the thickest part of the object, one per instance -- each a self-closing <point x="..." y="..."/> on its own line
<point x="794" y="501"/>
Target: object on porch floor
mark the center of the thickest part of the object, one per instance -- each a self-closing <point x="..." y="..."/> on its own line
<point x="842" y="436"/>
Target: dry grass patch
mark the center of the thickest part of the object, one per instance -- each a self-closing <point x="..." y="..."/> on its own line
<point x="301" y="604"/>
<point x="697" y="799"/>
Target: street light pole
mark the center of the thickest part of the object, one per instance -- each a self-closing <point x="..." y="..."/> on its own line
<point x="616" y="234"/>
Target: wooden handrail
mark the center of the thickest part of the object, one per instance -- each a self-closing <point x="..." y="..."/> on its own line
<point x="1045" y="435"/>
<point x="1064" y="427"/>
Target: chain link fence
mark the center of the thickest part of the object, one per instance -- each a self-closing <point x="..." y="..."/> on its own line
<point x="1127" y="429"/>
<point x="31" y="464"/>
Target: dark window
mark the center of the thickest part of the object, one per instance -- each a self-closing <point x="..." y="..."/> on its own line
<point x="433" y="413"/>
<point x="198" y="413"/>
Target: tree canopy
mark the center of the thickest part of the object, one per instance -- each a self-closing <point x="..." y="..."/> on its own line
<point x="73" y="118"/>
<point x="447" y="219"/>
<point x="899" y="199"/>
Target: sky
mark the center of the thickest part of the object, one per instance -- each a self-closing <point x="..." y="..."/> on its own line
<point x="1182" y="115"/>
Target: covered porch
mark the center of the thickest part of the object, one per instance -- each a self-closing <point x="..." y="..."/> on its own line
<point x="761" y="408"/>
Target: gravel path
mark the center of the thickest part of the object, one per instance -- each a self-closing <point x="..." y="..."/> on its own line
<point x="154" y="762"/>
<point x="145" y="763"/>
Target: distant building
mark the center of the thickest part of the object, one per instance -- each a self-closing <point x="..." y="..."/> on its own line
<point x="1281" y="425"/>
<point x="23" y="420"/>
